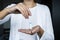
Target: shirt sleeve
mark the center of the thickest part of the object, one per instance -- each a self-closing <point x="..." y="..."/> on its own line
<point x="48" y="28"/>
<point x="5" y="19"/>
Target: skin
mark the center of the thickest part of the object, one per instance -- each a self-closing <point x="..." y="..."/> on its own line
<point x="23" y="8"/>
<point x="20" y="7"/>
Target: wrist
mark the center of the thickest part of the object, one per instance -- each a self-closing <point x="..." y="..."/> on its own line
<point x="6" y="10"/>
<point x="35" y="29"/>
<point x="10" y="9"/>
<point x="41" y="31"/>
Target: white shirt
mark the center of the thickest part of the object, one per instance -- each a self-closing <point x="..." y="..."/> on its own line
<point x="40" y="16"/>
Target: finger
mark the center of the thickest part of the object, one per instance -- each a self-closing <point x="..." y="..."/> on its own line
<point x="21" y="30"/>
<point x="23" y="11"/>
<point x="29" y="13"/>
<point x="27" y="31"/>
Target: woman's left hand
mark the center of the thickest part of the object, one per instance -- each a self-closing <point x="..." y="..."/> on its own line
<point x="27" y="31"/>
<point x="34" y="30"/>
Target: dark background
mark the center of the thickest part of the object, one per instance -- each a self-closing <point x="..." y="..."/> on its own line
<point x="54" y="8"/>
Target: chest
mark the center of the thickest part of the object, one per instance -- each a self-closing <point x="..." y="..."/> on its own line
<point x="19" y="20"/>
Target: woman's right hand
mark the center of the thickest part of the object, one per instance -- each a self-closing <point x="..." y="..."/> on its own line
<point x="21" y="8"/>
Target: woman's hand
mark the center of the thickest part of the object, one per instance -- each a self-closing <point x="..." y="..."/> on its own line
<point x="35" y="29"/>
<point x="21" y="8"/>
<point x="27" y="31"/>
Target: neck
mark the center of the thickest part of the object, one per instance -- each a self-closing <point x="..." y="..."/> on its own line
<point x="29" y="4"/>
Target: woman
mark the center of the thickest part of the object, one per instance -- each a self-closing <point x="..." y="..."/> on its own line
<point x="33" y="22"/>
